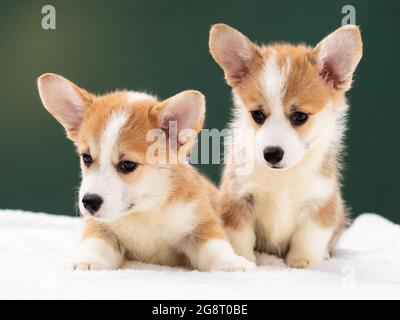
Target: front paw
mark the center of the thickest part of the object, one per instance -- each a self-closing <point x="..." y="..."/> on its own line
<point x="87" y="265"/>
<point x="297" y="262"/>
<point x="300" y="259"/>
<point x="235" y="264"/>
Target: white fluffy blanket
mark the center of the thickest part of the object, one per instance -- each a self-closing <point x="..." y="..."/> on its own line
<point x="35" y="247"/>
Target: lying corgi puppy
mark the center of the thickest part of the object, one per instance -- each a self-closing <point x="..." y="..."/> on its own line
<point x="136" y="208"/>
<point x="292" y="99"/>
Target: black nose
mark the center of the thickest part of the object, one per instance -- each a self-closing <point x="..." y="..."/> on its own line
<point x="92" y="202"/>
<point x="273" y="155"/>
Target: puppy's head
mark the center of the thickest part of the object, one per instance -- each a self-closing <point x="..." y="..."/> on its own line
<point x="292" y="97"/>
<point x="110" y="133"/>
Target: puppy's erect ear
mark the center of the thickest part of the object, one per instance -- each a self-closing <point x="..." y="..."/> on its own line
<point x="338" y="55"/>
<point x="234" y="52"/>
<point x="64" y="100"/>
<point x="184" y="111"/>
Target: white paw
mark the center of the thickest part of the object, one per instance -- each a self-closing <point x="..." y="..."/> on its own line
<point x="88" y="265"/>
<point x="264" y="259"/>
<point x="297" y="262"/>
<point x="234" y="264"/>
<point x="300" y="260"/>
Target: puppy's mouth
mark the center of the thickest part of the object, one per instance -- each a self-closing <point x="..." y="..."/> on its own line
<point x="277" y="167"/>
<point x="86" y="214"/>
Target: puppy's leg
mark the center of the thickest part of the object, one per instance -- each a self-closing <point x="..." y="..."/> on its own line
<point x="311" y="242"/>
<point x="99" y="249"/>
<point x="209" y="250"/>
<point x="309" y="245"/>
<point x="243" y="240"/>
<point x="238" y="221"/>
<point x="218" y="255"/>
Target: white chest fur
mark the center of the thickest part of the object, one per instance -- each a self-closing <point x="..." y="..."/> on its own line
<point x="153" y="236"/>
<point x="282" y="201"/>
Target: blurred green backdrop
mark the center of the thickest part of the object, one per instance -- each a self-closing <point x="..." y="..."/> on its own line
<point x="161" y="47"/>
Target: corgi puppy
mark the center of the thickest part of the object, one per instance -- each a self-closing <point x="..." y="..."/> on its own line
<point x="136" y="208"/>
<point x="292" y="99"/>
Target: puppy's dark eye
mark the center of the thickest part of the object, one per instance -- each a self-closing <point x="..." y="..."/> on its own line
<point x="258" y="116"/>
<point x="87" y="159"/>
<point x="127" y="166"/>
<point x="298" y="118"/>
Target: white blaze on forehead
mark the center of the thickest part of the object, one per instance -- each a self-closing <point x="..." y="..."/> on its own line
<point x="273" y="80"/>
<point x="277" y="130"/>
<point x="105" y="181"/>
<point x="110" y="136"/>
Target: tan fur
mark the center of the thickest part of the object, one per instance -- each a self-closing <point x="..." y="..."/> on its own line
<point x="326" y="215"/>
<point x="97" y="115"/>
<point x="234" y="211"/>
<point x="208" y="228"/>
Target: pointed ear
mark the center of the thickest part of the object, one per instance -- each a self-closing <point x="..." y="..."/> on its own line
<point x="234" y="52"/>
<point x="186" y="110"/>
<point x="65" y="101"/>
<point x="338" y="55"/>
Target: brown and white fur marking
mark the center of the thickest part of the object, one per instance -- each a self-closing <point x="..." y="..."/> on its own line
<point x="293" y="99"/>
<point x="151" y="212"/>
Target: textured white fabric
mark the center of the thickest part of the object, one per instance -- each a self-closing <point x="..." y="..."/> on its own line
<point x="35" y="247"/>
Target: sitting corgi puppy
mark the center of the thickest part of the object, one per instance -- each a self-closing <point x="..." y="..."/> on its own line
<point x="292" y="99"/>
<point x="134" y="207"/>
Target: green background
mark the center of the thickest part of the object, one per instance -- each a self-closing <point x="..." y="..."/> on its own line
<point x="161" y="47"/>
